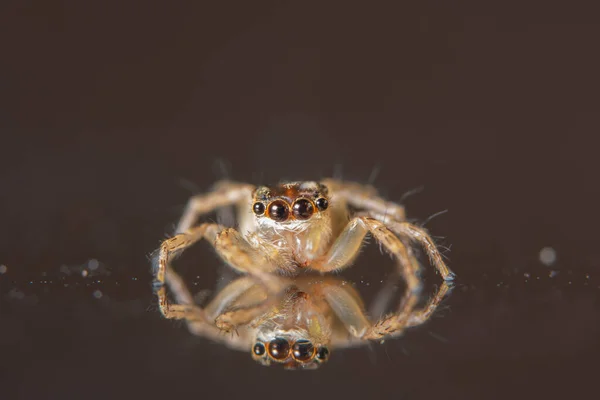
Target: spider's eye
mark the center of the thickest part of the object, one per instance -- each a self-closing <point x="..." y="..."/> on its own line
<point x="258" y="208"/>
<point x="279" y="349"/>
<point x="303" y="350"/>
<point x="279" y="211"/>
<point x="258" y="349"/>
<point x="322" y="354"/>
<point x="322" y="203"/>
<point x="303" y="209"/>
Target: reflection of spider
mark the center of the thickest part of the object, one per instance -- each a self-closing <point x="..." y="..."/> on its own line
<point x="298" y="322"/>
<point x="297" y="225"/>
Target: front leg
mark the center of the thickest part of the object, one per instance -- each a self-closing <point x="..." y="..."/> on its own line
<point x="394" y="324"/>
<point x="204" y="322"/>
<point x="201" y="321"/>
<point x="413" y="233"/>
<point x="347" y="246"/>
<point x="349" y="309"/>
<point x="417" y="234"/>
<point x="232" y="248"/>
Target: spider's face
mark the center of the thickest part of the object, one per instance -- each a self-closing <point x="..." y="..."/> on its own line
<point x="291" y="353"/>
<point x="296" y="201"/>
<point x="295" y="335"/>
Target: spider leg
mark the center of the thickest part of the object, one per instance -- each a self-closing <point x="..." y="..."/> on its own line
<point x="414" y="233"/>
<point x="364" y="197"/>
<point x="383" y="298"/>
<point x="391" y="214"/>
<point x="420" y="235"/>
<point x="229" y="244"/>
<point x="348" y="307"/>
<point x="225" y="193"/>
<point x="232" y="319"/>
<point x="394" y="324"/>
<point x="347" y="246"/>
<point x="230" y="312"/>
<point x="230" y="294"/>
<point x="201" y="322"/>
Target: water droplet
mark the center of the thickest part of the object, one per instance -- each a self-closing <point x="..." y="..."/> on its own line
<point x="547" y="256"/>
<point x="93" y="264"/>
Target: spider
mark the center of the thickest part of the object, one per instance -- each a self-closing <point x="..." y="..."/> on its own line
<point x="296" y="323"/>
<point x="288" y="227"/>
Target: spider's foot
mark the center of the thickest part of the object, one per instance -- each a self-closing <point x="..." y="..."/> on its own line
<point x="381" y="329"/>
<point x="157" y="285"/>
<point x="450" y="277"/>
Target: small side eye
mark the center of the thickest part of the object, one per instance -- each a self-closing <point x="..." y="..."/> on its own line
<point x="259" y="349"/>
<point x="258" y="208"/>
<point x="322" y="354"/>
<point x="279" y="349"/>
<point x="303" y="350"/>
<point x="322" y="203"/>
<point x="303" y="209"/>
<point x="279" y="211"/>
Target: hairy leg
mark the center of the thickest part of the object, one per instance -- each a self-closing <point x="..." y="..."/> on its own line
<point x="394" y="324"/>
<point x="225" y="193"/>
<point x="348" y="307"/>
<point x="383" y="298"/>
<point x="391" y="214"/>
<point x="347" y="246"/>
<point x="417" y="234"/>
<point x="364" y="197"/>
<point x="229" y="244"/>
<point x="413" y="233"/>
<point x="238" y="304"/>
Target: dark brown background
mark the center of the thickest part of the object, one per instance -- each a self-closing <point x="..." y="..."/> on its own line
<point x="113" y="113"/>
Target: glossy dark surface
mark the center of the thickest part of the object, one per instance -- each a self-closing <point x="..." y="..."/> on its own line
<point x="111" y="116"/>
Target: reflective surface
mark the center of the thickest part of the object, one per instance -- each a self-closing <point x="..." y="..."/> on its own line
<point x="297" y="322"/>
<point x="112" y="116"/>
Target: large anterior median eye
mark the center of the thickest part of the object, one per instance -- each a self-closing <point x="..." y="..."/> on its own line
<point x="303" y="209"/>
<point x="279" y="211"/>
<point x="303" y="350"/>
<point x="279" y="349"/>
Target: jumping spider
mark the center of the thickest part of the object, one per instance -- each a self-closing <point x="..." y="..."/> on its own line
<point x="296" y="323"/>
<point x="293" y="226"/>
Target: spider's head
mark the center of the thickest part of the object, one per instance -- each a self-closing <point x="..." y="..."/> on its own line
<point x="290" y="352"/>
<point x="295" y="336"/>
<point x="296" y="201"/>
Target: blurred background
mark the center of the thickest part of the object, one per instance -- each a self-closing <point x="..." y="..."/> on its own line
<point x="113" y="113"/>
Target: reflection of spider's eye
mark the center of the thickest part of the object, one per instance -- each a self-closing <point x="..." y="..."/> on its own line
<point x="303" y="350"/>
<point x="258" y="208"/>
<point x="279" y="348"/>
<point x="322" y="204"/>
<point x="259" y="349"/>
<point x="278" y="210"/>
<point x="322" y="354"/>
<point x="302" y="209"/>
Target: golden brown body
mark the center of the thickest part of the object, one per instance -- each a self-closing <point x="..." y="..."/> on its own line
<point x="284" y="228"/>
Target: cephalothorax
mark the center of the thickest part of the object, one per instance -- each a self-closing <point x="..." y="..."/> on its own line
<point x="284" y="228"/>
<point x="297" y="322"/>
